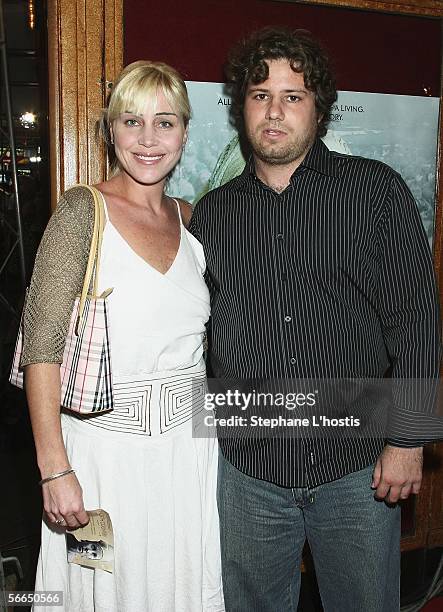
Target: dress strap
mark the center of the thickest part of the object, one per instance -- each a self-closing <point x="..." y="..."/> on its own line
<point x="105" y="206"/>
<point x="179" y="211"/>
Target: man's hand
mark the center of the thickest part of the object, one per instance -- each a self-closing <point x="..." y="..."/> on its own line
<point x="397" y="473"/>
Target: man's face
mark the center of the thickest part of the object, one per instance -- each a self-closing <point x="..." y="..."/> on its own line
<point x="280" y="116"/>
<point x="90" y="550"/>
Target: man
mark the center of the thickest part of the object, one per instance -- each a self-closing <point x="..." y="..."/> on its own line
<point x="319" y="268"/>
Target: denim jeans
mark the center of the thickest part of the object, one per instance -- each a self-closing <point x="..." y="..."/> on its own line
<point x="354" y="540"/>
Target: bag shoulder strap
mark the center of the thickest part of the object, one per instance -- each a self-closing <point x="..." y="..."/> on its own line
<point x="92" y="267"/>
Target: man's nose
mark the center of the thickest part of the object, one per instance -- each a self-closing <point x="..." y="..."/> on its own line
<point x="275" y="110"/>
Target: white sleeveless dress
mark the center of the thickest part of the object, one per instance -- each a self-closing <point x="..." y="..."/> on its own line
<point x="141" y="462"/>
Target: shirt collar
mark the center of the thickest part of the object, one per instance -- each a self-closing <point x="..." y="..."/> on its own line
<point x="247" y="177"/>
<point x="320" y="159"/>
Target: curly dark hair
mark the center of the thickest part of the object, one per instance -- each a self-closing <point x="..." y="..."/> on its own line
<point x="247" y="63"/>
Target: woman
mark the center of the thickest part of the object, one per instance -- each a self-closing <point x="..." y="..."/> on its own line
<point x="139" y="462"/>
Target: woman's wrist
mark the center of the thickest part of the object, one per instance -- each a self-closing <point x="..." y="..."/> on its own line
<point x="54" y="465"/>
<point x="51" y="455"/>
<point x="56" y="475"/>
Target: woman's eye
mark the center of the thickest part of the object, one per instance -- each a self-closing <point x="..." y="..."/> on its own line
<point x="293" y="98"/>
<point x="260" y="96"/>
<point x="131" y="122"/>
<point x="165" y="124"/>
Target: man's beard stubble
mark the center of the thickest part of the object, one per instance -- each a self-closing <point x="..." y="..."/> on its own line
<point x="279" y="155"/>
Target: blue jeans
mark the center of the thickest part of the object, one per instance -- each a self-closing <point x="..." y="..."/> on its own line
<point x="354" y="540"/>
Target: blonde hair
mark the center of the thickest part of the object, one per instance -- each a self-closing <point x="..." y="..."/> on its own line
<point x="137" y="83"/>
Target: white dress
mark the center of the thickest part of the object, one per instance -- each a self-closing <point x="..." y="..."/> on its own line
<point x="141" y="463"/>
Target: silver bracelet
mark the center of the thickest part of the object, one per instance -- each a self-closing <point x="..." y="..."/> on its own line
<point x="57" y="475"/>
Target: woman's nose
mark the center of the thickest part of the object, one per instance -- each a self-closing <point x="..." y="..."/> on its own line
<point x="147" y="136"/>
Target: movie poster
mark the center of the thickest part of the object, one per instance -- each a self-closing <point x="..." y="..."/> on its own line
<point x="398" y="130"/>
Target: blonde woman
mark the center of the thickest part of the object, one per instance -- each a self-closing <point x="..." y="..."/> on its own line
<point x="140" y="462"/>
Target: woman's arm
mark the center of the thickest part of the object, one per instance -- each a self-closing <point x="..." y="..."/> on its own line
<point x="62" y="497"/>
<point x="57" y="279"/>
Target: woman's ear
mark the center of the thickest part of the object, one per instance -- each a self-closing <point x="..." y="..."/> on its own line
<point x="186" y="134"/>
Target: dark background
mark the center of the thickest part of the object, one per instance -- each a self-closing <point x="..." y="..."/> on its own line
<point x="373" y="52"/>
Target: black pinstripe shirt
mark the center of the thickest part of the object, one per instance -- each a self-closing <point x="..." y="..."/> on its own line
<point x="332" y="278"/>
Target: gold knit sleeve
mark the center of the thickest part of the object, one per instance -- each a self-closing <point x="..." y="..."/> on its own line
<point x="57" y="278"/>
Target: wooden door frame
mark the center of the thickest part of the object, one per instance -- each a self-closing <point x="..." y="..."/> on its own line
<point x="85" y="53"/>
<point x="423" y="8"/>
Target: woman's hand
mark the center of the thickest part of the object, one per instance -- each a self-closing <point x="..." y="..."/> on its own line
<point x="63" y="502"/>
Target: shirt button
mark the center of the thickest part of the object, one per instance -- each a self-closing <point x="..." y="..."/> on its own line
<point x="284" y="277"/>
<point x="293" y="360"/>
<point x="279" y="236"/>
<point x="288" y="318"/>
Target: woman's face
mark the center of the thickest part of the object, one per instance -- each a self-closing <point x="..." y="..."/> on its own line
<point x="149" y="145"/>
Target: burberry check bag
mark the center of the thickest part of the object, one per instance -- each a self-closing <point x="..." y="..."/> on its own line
<point x="86" y="377"/>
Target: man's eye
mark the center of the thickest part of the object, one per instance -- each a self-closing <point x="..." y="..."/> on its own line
<point x="293" y="98"/>
<point x="260" y="96"/>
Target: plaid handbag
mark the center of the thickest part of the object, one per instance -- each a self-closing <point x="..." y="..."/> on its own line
<point x="86" y="377"/>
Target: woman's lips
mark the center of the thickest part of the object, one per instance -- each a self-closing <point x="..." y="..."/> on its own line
<point x="148" y="159"/>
